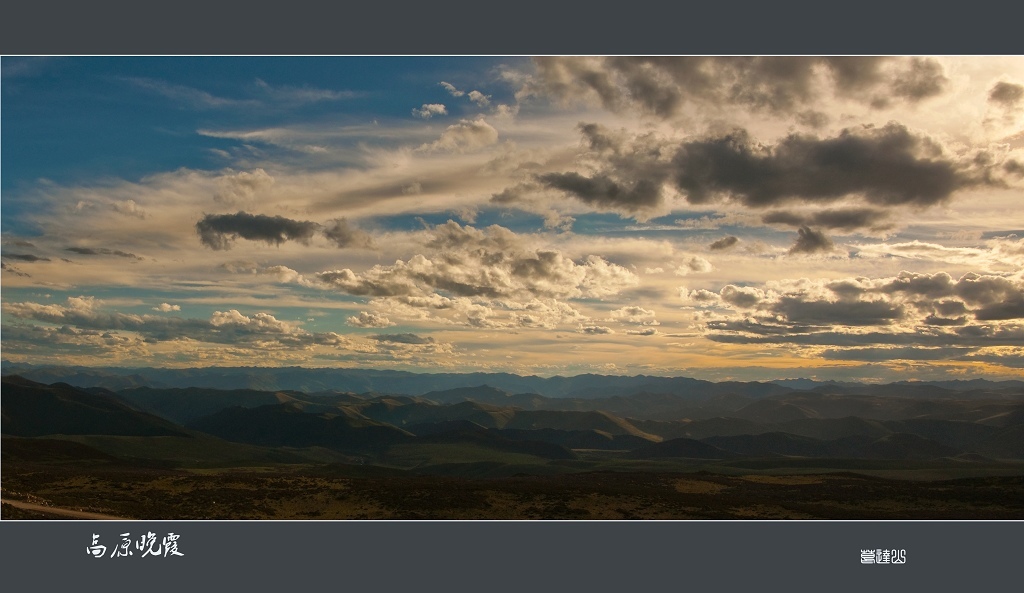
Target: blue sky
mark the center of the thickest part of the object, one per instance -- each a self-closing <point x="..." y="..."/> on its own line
<point x="750" y="218"/>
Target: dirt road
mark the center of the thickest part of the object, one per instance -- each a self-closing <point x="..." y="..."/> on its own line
<point x="69" y="513"/>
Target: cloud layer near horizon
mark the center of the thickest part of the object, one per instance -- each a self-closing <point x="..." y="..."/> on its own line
<point x="720" y="217"/>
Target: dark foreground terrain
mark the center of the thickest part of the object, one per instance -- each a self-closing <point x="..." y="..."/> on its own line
<point x="341" y="491"/>
<point x="481" y="453"/>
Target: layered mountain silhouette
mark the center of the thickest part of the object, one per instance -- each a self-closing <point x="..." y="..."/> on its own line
<point x="729" y="421"/>
<point x="33" y="409"/>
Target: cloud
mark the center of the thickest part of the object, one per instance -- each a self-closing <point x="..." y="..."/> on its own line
<point x="491" y="263"/>
<point x="650" y="331"/>
<point x="342" y="234"/>
<point x="595" y="330"/>
<point x="699" y="297"/>
<point x="189" y="96"/>
<point x="910" y="309"/>
<point x="128" y="208"/>
<point x="451" y="89"/>
<point x="463" y="136"/>
<point x="724" y="243"/>
<point x="403" y="338"/>
<point x="429" y="110"/>
<point x="635" y="315"/>
<point x="102" y="251"/>
<point x="241" y="187"/>
<point x="744" y="297"/>
<point x="503" y="111"/>
<point x="167" y="307"/>
<point x="300" y="95"/>
<point x="604" y="192"/>
<point x="884" y="166"/>
<point x="883" y="354"/>
<point x="13" y="270"/>
<point x="695" y="265"/>
<point x="479" y="98"/>
<point x="19" y="243"/>
<point x="223" y="327"/>
<point x="922" y="78"/>
<point x="799" y="311"/>
<point x="663" y="86"/>
<point x="1006" y="94"/>
<point x="811" y="119"/>
<point x="998" y="253"/>
<point x="629" y="177"/>
<point x="38" y="341"/>
<point x="811" y="241"/>
<point x="843" y="219"/>
<point x="218" y="230"/>
<point x="369" y="319"/>
<point x="25" y="257"/>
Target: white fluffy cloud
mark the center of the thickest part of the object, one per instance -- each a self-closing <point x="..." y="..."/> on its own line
<point x="429" y="110"/>
<point x="464" y="136"/>
<point x="369" y="319"/>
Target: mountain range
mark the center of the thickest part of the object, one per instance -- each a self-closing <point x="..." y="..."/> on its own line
<point x="376" y="427"/>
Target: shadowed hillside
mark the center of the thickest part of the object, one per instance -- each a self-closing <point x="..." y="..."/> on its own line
<point x="33" y="409"/>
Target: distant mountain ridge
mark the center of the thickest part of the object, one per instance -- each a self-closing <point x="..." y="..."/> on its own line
<point x="801" y="424"/>
<point x="587" y="386"/>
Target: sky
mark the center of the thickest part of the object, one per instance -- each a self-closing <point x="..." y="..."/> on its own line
<point x="744" y="218"/>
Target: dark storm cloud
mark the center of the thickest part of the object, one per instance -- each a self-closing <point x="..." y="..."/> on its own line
<point x="602" y="191"/>
<point x="217" y="230"/>
<point x="988" y="290"/>
<point x="996" y="298"/>
<point x="932" y="286"/>
<point x="859" y="313"/>
<point x="779" y="85"/>
<point x="887" y="166"/>
<point x="1001" y="311"/>
<point x="848" y="219"/>
<point x="25" y="257"/>
<point x="1006" y="94"/>
<point x="631" y="179"/>
<point x="342" y="234"/>
<point x="403" y="338"/>
<point x="884" y="166"/>
<point x="945" y="321"/>
<point x="101" y="251"/>
<point x="811" y="241"/>
<point x="950" y="308"/>
<point x="724" y="243"/>
<point x="922" y="79"/>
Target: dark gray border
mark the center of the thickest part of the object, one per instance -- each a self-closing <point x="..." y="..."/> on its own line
<point x="475" y="556"/>
<point x="515" y="556"/>
<point x="460" y="27"/>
